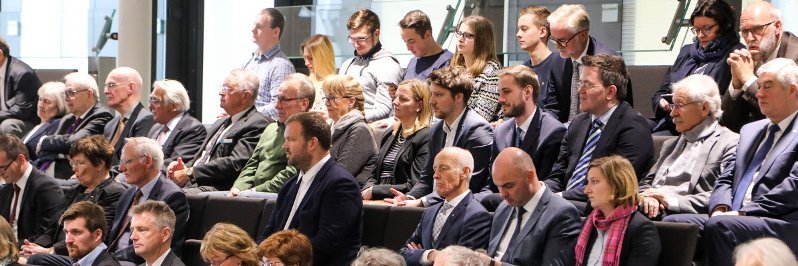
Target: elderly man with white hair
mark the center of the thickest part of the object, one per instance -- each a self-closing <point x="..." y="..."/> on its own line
<point x="122" y="91"/>
<point x="178" y="133"/>
<point x="683" y="176"/>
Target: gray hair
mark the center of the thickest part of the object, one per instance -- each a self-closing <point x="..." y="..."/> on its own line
<point x="161" y="214"/>
<point x="304" y="87"/>
<point x="463" y="157"/>
<point x="83" y="81"/>
<point x="55" y="90"/>
<point x="701" y="88"/>
<point x="769" y="251"/>
<point x="462" y="256"/>
<point x="786" y="71"/>
<point x="246" y="79"/>
<point x="575" y="18"/>
<point x="143" y="146"/>
<point x="174" y="93"/>
<point x="378" y="257"/>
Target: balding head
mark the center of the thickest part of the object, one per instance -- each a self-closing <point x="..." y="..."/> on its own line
<point x="122" y="88"/>
<point x="760" y="27"/>
<point x="514" y="173"/>
<point x="452" y="172"/>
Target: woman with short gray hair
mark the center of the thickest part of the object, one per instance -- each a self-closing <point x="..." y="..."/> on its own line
<point x="50" y="108"/>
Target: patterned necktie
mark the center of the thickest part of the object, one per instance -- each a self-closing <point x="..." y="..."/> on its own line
<point x="517" y="136"/>
<point x="440" y="219"/>
<point x="753" y="167"/>
<point x="126" y="221"/>
<point x="578" y="178"/>
<point x="574" y="107"/>
<point x="211" y="146"/>
<point x="519" y="215"/>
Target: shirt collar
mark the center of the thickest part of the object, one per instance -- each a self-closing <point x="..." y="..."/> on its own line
<point x="371" y="52"/>
<point x="160" y="259"/>
<point x="24" y="179"/>
<point x="584" y="53"/>
<point x="236" y="117"/>
<point x="88" y="259"/>
<point x="533" y="202"/>
<point x="448" y="129"/>
<point x="456" y="201"/>
<point x="130" y="112"/>
<point x="147" y="188"/>
<point x="783" y="124"/>
<point x="268" y="54"/>
<point x="702" y="130"/>
<point x="525" y="125"/>
<point x="605" y="117"/>
<point x="83" y="115"/>
<point x="172" y="124"/>
<point x="311" y="173"/>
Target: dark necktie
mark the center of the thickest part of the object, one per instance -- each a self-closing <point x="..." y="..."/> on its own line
<point x="126" y="221"/>
<point x="517" y="136"/>
<point x="753" y="167"/>
<point x="162" y="135"/>
<point x="578" y="178"/>
<point x="14" y="204"/>
<point x="519" y="214"/>
<point x="74" y="126"/>
<point x="210" y="148"/>
<point x="573" y="108"/>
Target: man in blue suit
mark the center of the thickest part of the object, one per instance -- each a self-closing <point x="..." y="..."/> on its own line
<point x="757" y="197"/>
<point x="459" y="220"/>
<point x="532" y="226"/>
<point x="570" y="33"/>
<point x="323" y="200"/>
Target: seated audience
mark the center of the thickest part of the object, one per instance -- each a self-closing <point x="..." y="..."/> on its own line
<point x="227" y="244"/>
<point x="85" y="229"/>
<point x="317" y="52"/>
<point x="416" y="32"/>
<point x="9" y="254"/>
<point x="458" y="220"/>
<point x="713" y="24"/>
<point x="615" y="232"/>
<point x="20" y="82"/>
<point x="153" y="223"/>
<point x="532" y="226"/>
<point x="287" y="247"/>
<point x="458" y="255"/>
<point x="353" y="143"/>
<point x="764" y="251"/>
<point x="476" y="51"/>
<point x="374" y="67"/>
<point x="533" y="37"/>
<point x="51" y="107"/>
<point x="230" y="140"/>
<point x="755" y="197"/>
<point x="123" y="95"/>
<point x="323" y="200"/>
<point x="179" y="134"/>
<point x="403" y="149"/>
<point x="378" y="257"/>
<point x="683" y="176"/>
<point x="608" y="125"/>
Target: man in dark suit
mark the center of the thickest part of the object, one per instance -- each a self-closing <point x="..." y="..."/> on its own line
<point x="153" y="223"/>
<point x="230" y="141"/>
<point x="323" y="200"/>
<point x="756" y="197"/>
<point x="532" y="226"/>
<point x="458" y="126"/>
<point x="458" y="220"/>
<point x="19" y="94"/>
<point x="761" y="28"/>
<point x="608" y="125"/>
<point x="29" y="199"/>
<point x="84" y="226"/>
<point x="86" y="117"/>
<point x="122" y="89"/>
<point x="179" y="134"/>
<point x="570" y="32"/>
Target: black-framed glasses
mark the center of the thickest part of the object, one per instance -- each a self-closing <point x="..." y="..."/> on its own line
<point x="4" y="168"/>
<point x="71" y="93"/>
<point x="463" y="34"/>
<point x="286" y="99"/>
<point x="219" y="262"/>
<point x="113" y="85"/>
<point x="681" y="105"/>
<point x="333" y="98"/>
<point x="563" y="43"/>
<point x="705" y="30"/>
<point x="756" y="30"/>
<point x="359" y="39"/>
<point x="128" y="161"/>
<point x="156" y="101"/>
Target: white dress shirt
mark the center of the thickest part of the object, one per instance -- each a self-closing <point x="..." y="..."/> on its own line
<point x="529" y="207"/>
<point x="305" y="179"/>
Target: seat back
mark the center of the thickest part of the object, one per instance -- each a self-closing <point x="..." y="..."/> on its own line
<point x="658" y="141"/>
<point x="196" y="205"/>
<point x="646" y="80"/>
<point x="401" y="224"/>
<point x="243" y="212"/>
<point x="374" y="219"/>
<point x="265" y="216"/>
<point x="678" y="241"/>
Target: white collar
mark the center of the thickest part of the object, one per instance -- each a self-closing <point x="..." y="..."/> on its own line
<point x="160" y="259"/>
<point x="311" y="173"/>
<point x="604" y="118"/>
<point x="584" y="53"/>
<point x="447" y="128"/>
<point x="525" y="125"/>
<point x="456" y="201"/>
<point x="24" y="179"/>
<point x="172" y="124"/>
<point x="533" y="202"/>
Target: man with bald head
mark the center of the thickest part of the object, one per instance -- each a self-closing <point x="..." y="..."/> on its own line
<point x="761" y="29"/>
<point x="532" y="226"/>
<point x="123" y="91"/>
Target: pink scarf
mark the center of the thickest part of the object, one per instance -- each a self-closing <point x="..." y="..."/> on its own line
<point x="617" y="229"/>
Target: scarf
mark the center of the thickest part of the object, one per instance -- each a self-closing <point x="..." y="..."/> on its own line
<point x="700" y="56"/>
<point x="616" y="224"/>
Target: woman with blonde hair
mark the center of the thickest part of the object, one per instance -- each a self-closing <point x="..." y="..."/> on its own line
<point x="476" y="51"/>
<point x="8" y="244"/>
<point x="615" y="233"/>
<point x="317" y="51"/>
<point x="227" y="245"/>
<point x="403" y="150"/>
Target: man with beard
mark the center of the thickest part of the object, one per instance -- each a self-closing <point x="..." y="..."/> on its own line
<point x="85" y="227"/>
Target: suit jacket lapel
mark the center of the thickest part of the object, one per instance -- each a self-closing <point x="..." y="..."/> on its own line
<point x="312" y="188"/>
<point x="169" y="142"/>
<point x="786" y="140"/>
<point x="530" y="224"/>
<point x="290" y="197"/>
<point x="455" y="216"/>
<point x="465" y="122"/>
<point x="530" y="142"/>
<point x="503" y="218"/>
<point x="703" y="154"/>
<point x="5" y="203"/>
<point x="608" y="131"/>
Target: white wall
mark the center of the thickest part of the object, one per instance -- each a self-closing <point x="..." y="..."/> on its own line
<point x="54" y="33"/>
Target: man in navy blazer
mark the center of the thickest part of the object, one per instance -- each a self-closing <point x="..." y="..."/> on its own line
<point x="757" y="197"/>
<point x="458" y="220"/>
<point x="608" y="125"/>
<point x="570" y="32"/>
<point x="549" y="225"/>
<point x="323" y="201"/>
<point x="179" y="134"/>
<point x="122" y="89"/>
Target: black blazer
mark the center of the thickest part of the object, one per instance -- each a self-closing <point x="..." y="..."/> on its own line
<point x="541" y="142"/>
<point x="164" y="190"/>
<point x="184" y="141"/>
<point x="47" y="129"/>
<point x="558" y="91"/>
<point x="170" y="260"/>
<point x="138" y="125"/>
<point x="329" y="214"/>
<point x="640" y="246"/>
<point x="409" y="163"/>
<point x="21" y="91"/>
<point x="231" y="155"/>
<point x="626" y="133"/>
<point x="105" y="259"/>
<point x="39" y="211"/>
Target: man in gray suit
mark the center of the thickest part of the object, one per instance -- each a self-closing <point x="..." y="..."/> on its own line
<point x="532" y="226"/>
<point x="179" y="134"/>
<point x="152" y="224"/>
<point x="122" y="89"/>
<point x="683" y="176"/>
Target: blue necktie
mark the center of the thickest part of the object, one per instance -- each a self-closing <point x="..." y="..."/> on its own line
<point x="753" y="167"/>
<point x="517" y="136"/>
<point x="578" y="178"/>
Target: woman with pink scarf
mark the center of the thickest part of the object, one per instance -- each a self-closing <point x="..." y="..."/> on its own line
<point x="615" y="233"/>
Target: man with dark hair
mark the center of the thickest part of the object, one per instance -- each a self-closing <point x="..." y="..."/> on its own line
<point x="152" y="224"/>
<point x="84" y="226"/>
<point x="427" y="54"/>
<point x="19" y="85"/>
<point x="607" y="125"/>
<point x="533" y="37"/>
<point x="268" y="60"/>
<point x="322" y="201"/>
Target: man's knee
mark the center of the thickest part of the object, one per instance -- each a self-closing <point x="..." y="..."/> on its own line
<point x="15" y="127"/>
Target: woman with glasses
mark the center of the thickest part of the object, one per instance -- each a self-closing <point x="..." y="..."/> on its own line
<point x="50" y="108"/>
<point x="287" y="247"/>
<point x="228" y="245"/>
<point x="317" y="51"/>
<point x="353" y="143"/>
<point x="403" y="151"/>
<point x="90" y="159"/>
<point x="476" y="51"/>
<point x="713" y="24"/>
<point x="374" y="67"/>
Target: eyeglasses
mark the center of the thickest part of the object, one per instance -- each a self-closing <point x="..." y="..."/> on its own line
<point x="285" y="100"/>
<point x="563" y="43"/>
<point x="72" y="93"/>
<point x="271" y="263"/>
<point x="4" y="168"/>
<point x="756" y="30"/>
<point x="587" y="84"/>
<point x="680" y="105"/>
<point x="112" y="85"/>
<point x="358" y="39"/>
<point x="226" y="89"/>
<point x="333" y="98"/>
<point x="219" y="262"/>
<point x="706" y="30"/>
<point x="76" y="163"/>
<point x="462" y="34"/>
<point x="156" y="101"/>
<point x="128" y="161"/>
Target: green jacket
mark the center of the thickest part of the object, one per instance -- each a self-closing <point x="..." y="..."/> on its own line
<point x="268" y="168"/>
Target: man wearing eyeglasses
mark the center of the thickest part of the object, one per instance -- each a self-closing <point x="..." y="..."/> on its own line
<point x="18" y="84"/>
<point x="761" y="29"/>
<point x="122" y="89"/>
<point x="86" y="117"/>
<point x="570" y="33"/>
<point x="179" y="134"/>
<point x="374" y="67"/>
<point x="268" y="60"/>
